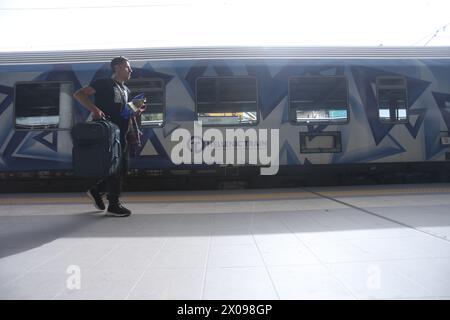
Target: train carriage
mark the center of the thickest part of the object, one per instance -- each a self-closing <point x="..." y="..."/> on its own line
<point x="342" y="114"/>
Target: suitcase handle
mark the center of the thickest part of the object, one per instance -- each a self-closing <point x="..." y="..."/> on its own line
<point x="103" y="118"/>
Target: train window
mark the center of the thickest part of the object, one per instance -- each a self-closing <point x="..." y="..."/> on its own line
<point x="43" y="105"/>
<point x="318" y="99"/>
<point x="227" y="100"/>
<point x="391" y="93"/>
<point x="323" y="142"/>
<point x="153" y="90"/>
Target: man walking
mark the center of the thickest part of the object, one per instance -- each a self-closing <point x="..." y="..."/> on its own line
<point x="110" y="97"/>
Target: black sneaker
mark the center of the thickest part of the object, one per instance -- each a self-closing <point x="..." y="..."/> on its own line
<point x="117" y="210"/>
<point x="96" y="198"/>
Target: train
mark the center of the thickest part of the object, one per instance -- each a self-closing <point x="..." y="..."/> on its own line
<point x="342" y="115"/>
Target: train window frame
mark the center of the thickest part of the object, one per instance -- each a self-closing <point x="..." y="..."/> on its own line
<point x="163" y="88"/>
<point x="43" y="127"/>
<point x="337" y="140"/>
<point x="405" y="86"/>
<point x="326" y="122"/>
<point x="253" y="124"/>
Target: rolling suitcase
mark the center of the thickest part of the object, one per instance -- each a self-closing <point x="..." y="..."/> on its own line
<point x="96" y="149"/>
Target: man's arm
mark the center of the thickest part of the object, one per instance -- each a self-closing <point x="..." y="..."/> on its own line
<point x="82" y="96"/>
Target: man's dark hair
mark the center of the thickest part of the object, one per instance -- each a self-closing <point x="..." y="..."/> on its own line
<point x="118" y="60"/>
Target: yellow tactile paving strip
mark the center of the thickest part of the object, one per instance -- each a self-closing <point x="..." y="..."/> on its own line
<point x="226" y="196"/>
<point x="166" y="198"/>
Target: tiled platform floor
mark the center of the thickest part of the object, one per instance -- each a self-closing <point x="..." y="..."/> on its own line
<point x="365" y="242"/>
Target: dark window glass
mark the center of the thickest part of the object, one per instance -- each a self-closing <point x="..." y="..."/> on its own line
<point x="43" y="105"/>
<point x="227" y="101"/>
<point x="153" y="90"/>
<point x="318" y="99"/>
<point x="392" y="102"/>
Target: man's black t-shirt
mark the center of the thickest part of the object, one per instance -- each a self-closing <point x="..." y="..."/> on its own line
<point x="110" y="97"/>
